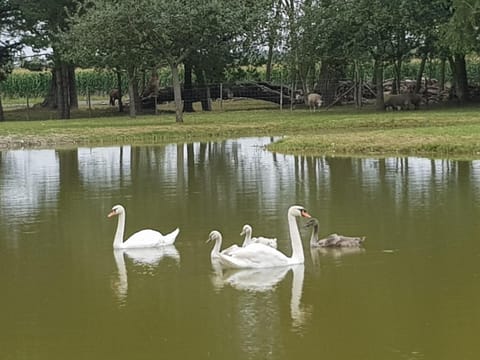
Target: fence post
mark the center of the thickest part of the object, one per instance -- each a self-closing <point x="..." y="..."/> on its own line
<point x="292" y="95"/>
<point x="28" y="108"/>
<point x="221" y="96"/>
<point x="281" y="92"/>
<point x="89" y="102"/>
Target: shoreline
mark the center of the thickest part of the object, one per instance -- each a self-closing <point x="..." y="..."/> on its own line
<point x="445" y="133"/>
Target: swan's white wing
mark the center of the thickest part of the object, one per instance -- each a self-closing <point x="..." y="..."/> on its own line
<point x="230" y="250"/>
<point x="143" y="238"/>
<point x="254" y="256"/>
<point x="150" y="238"/>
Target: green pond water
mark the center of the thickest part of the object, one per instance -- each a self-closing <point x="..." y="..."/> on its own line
<point x="411" y="292"/>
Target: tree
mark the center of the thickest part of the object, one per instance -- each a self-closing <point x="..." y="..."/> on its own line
<point x="179" y="29"/>
<point x="135" y="33"/>
<point x="9" y="41"/>
<point x="46" y="19"/>
<point x="461" y="35"/>
<point x="105" y="34"/>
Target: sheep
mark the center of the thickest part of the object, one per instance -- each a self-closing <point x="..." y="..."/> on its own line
<point x="402" y="101"/>
<point x="314" y="100"/>
<point x="396" y="102"/>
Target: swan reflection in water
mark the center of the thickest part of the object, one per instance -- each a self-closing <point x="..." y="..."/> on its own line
<point x="335" y="253"/>
<point x="264" y="280"/>
<point x="147" y="257"/>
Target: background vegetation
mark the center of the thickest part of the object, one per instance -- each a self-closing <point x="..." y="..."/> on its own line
<point x="310" y="45"/>
<point x="36" y="84"/>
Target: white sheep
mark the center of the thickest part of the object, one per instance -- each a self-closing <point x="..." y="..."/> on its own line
<point x="314" y="100"/>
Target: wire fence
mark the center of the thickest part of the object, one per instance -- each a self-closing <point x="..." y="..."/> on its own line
<point x="244" y="96"/>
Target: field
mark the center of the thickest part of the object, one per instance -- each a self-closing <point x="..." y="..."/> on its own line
<point x="341" y="131"/>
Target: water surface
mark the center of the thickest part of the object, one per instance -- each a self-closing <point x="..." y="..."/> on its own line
<point x="412" y="292"/>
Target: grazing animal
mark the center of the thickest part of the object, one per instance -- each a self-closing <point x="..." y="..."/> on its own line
<point x="415" y="100"/>
<point x="114" y="95"/>
<point x="396" y="101"/>
<point x="402" y="101"/>
<point x="314" y="100"/>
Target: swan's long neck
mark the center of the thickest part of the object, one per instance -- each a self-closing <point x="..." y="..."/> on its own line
<point x="216" y="248"/>
<point x="248" y="237"/>
<point x="297" y="248"/>
<point x="314" y="236"/>
<point x="118" y="239"/>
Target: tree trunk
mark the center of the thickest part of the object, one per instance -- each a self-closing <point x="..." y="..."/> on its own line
<point x="58" y="87"/>
<point x="421" y="69"/>
<point x="268" y="70"/>
<point x="132" y="79"/>
<point x="50" y="100"/>
<point x="441" y="81"/>
<point x="72" y="87"/>
<point x="2" y="115"/>
<point x="461" y="80"/>
<point x="204" y="90"/>
<point x="358" y="96"/>
<point x="120" y="91"/>
<point x="177" y="93"/>
<point x="272" y="39"/>
<point x="66" y="91"/>
<point x="397" y="67"/>
<point x="378" y="69"/>
<point x="187" y="88"/>
<point x="63" y="98"/>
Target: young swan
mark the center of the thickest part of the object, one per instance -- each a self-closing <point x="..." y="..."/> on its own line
<point x="332" y="240"/>
<point x="216" y="237"/>
<point x="247" y="231"/>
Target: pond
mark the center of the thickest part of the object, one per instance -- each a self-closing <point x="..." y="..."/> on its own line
<point x="411" y="292"/>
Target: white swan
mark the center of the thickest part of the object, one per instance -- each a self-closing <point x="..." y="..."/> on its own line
<point x="141" y="239"/>
<point x="332" y="240"/>
<point x="262" y="256"/>
<point x="217" y="238"/>
<point x="247" y="231"/>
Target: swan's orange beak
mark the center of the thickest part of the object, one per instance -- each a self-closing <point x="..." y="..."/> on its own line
<point x="305" y="214"/>
<point x="112" y="213"/>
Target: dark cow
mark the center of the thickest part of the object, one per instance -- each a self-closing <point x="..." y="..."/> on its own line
<point x="114" y="95"/>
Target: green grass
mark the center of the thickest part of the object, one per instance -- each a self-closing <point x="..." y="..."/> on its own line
<point x="341" y="131"/>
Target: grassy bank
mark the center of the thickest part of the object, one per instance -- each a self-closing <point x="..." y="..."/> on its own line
<point x="453" y="133"/>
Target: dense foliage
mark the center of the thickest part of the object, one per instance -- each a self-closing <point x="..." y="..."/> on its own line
<point x="313" y="44"/>
<point x="24" y="83"/>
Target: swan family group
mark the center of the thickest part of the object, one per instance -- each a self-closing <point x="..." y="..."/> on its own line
<point x="255" y="252"/>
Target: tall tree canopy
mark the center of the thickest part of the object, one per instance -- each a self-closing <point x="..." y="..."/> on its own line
<point x="131" y="33"/>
